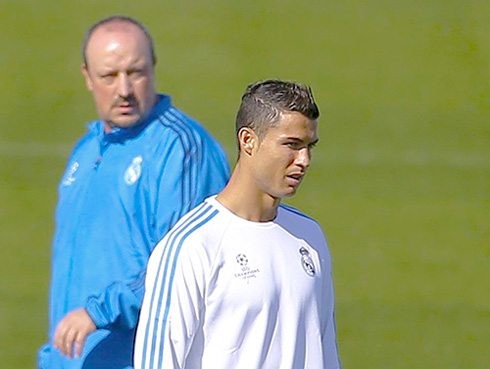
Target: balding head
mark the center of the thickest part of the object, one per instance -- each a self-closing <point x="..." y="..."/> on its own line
<point x="118" y="70"/>
<point x="117" y="21"/>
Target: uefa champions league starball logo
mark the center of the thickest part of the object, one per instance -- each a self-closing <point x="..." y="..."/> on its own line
<point x="246" y="272"/>
<point x="242" y="259"/>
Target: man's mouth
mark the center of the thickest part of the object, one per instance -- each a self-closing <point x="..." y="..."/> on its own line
<point x="126" y="107"/>
<point x="295" y="178"/>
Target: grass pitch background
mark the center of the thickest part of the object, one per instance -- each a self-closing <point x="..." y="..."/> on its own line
<point x="400" y="179"/>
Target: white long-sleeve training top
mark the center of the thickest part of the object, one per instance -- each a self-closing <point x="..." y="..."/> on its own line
<point x="223" y="292"/>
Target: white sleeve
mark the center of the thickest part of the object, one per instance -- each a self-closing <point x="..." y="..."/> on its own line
<point x="329" y="335"/>
<point x="331" y="358"/>
<point x="173" y="304"/>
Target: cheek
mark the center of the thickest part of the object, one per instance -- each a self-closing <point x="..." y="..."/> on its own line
<point x="284" y="159"/>
<point x="103" y="96"/>
<point x="291" y="160"/>
<point x="276" y="164"/>
<point x="143" y="88"/>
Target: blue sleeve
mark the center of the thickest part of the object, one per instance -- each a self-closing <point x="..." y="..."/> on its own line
<point x="194" y="168"/>
<point x="190" y="169"/>
<point x="119" y="304"/>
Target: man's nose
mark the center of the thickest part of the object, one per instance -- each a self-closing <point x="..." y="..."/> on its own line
<point x="124" y="87"/>
<point x="304" y="157"/>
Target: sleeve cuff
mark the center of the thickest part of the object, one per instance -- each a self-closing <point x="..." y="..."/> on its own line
<point x="97" y="314"/>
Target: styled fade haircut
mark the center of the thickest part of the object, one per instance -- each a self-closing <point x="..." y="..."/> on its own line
<point x="265" y="101"/>
<point x="117" y="19"/>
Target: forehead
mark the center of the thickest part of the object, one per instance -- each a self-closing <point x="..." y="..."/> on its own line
<point x="117" y="39"/>
<point x="294" y="125"/>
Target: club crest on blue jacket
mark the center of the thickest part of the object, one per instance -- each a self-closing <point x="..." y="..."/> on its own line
<point x="133" y="172"/>
<point x="69" y="178"/>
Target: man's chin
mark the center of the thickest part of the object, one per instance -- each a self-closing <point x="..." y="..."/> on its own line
<point x="289" y="192"/>
<point x="125" y="121"/>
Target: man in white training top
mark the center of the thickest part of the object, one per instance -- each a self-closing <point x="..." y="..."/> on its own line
<point x="242" y="281"/>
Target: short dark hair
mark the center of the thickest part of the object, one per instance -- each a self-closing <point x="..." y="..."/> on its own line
<point x="264" y="101"/>
<point x="117" y="19"/>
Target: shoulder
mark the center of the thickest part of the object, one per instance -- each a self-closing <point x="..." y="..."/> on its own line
<point x="171" y="119"/>
<point x="173" y="139"/>
<point x="182" y="127"/>
<point x="298" y="223"/>
<point x="204" y="224"/>
<point x="199" y="231"/>
<point x="87" y="141"/>
<point x="303" y="227"/>
<point x="288" y="212"/>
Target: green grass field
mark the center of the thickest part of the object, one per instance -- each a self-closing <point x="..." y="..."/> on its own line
<point x="400" y="180"/>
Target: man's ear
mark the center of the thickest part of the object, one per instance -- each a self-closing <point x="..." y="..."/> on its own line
<point x="248" y="140"/>
<point x="88" y="80"/>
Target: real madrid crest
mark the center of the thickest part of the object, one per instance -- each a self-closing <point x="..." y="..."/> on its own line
<point x="133" y="172"/>
<point x="307" y="262"/>
<point x="69" y="178"/>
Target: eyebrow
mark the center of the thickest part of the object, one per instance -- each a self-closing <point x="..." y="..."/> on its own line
<point x="107" y="72"/>
<point x="300" y="140"/>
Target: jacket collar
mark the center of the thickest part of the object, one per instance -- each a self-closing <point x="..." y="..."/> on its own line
<point x="118" y="134"/>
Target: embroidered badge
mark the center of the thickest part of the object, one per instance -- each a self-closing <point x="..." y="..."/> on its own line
<point x="245" y="272"/>
<point x="133" y="172"/>
<point x="69" y="179"/>
<point x="307" y="262"/>
<point x="241" y="259"/>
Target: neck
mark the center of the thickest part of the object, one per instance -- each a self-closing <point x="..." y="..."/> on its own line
<point x="243" y="197"/>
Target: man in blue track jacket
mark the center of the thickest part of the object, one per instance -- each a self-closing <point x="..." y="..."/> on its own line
<point x="141" y="167"/>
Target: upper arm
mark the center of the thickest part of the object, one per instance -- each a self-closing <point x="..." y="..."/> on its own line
<point x="189" y="168"/>
<point x="329" y="334"/>
<point x="173" y="303"/>
<point x="171" y="184"/>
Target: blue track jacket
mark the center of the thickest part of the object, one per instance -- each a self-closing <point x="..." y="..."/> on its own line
<point x="120" y="194"/>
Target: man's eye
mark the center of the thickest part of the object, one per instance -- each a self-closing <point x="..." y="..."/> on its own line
<point x="293" y="145"/>
<point x="109" y="78"/>
<point x="136" y="74"/>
